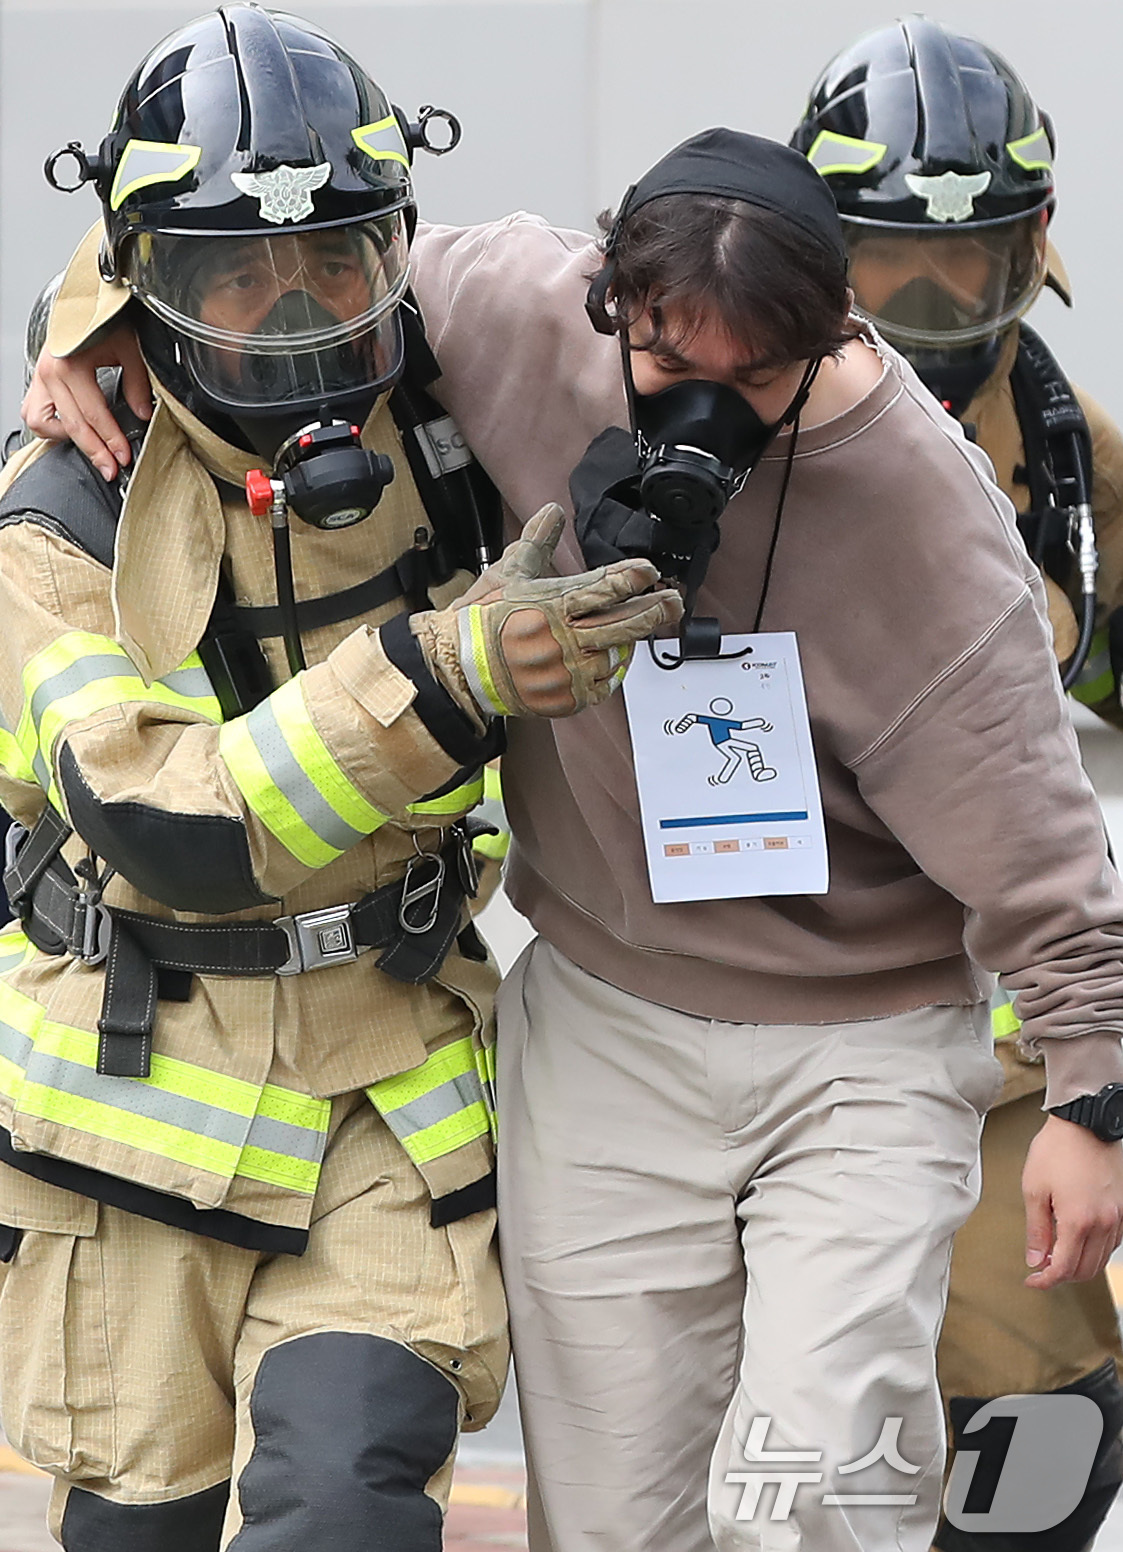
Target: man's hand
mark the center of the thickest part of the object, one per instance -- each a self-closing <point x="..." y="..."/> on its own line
<point x="1073" y="1189"/>
<point x="64" y="400"/>
<point x="522" y="644"/>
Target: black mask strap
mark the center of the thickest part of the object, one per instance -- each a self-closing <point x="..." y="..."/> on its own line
<point x="793" y="417"/>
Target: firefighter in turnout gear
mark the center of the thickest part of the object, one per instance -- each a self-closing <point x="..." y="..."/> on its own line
<point x="246" y="1168"/>
<point x="942" y="169"/>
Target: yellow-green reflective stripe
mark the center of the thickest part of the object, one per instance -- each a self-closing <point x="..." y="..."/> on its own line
<point x="478" y="666"/>
<point x="318" y="763"/>
<point x="485" y="1067"/>
<point x="382" y="140"/>
<point x="294" y="1109"/>
<point x="145" y="162"/>
<point x="15" y="949"/>
<point x="492" y="812"/>
<point x="80" y="674"/>
<point x="446" y="1086"/>
<point x="292" y="782"/>
<point x="277" y="1169"/>
<point x="433" y="1142"/>
<point x="458" y="801"/>
<point x="12" y="758"/>
<point x="140" y="1132"/>
<point x="451" y="1061"/>
<point x="493" y="847"/>
<point x="1004" y="1022"/>
<point x="1032" y="151"/>
<point x="831" y="153"/>
<point x="266" y="800"/>
<point x="186" y="1113"/>
<point x="1096" y="680"/>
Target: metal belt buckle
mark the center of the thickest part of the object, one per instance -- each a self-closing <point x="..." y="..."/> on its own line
<point x="14" y="839"/>
<point x="318" y="938"/>
<point x="93" y="930"/>
<point x="466" y="864"/>
<point x="421" y="892"/>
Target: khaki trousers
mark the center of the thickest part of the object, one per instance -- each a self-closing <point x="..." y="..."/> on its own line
<point x="647" y="1161"/>
<point x="131" y="1353"/>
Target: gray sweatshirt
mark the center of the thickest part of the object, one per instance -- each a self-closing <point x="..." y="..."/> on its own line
<point x="964" y="837"/>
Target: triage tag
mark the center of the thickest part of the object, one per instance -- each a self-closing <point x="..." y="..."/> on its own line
<point x="728" y="790"/>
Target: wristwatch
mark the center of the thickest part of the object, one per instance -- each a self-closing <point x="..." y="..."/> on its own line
<point x="1101" y="1113"/>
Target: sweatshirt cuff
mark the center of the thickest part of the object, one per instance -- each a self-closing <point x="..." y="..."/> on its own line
<point x="1081" y="1064"/>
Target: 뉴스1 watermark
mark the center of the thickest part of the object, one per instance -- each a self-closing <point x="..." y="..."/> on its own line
<point x="1022" y="1466"/>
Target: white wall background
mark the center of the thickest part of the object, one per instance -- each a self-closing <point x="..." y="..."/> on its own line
<point x="565" y="102"/>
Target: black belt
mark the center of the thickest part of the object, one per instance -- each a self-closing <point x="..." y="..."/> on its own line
<point x="413" y="920"/>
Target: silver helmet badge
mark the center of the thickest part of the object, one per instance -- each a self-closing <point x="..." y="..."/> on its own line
<point x="286" y="192"/>
<point x="951" y="196"/>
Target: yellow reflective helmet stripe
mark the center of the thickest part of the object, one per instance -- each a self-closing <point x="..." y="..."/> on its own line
<point x="1095" y="681"/>
<point x="182" y="1112"/>
<point x="144" y="162"/>
<point x="437" y="1107"/>
<point x="80" y="674"/>
<point x="831" y="153"/>
<point x="1032" y="152"/>
<point x="383" y="141"/>
<point x="292" y="781"/>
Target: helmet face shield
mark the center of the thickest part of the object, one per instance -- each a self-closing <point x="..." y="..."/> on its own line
<point x="273" y="319"/>
<point x="940" y="287"/>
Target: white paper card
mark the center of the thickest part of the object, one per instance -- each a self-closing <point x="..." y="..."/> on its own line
<point x="728" y="790"/>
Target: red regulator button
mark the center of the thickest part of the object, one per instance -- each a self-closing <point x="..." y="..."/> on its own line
<point x="259" y="492"/>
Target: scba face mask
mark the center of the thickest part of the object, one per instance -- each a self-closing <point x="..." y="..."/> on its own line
<point x="276" y="331"/>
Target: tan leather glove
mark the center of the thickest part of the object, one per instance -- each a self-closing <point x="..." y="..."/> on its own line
<point x="521" y="644"/>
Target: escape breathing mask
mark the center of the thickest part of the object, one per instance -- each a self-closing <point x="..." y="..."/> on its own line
<point x="660" y="492"/>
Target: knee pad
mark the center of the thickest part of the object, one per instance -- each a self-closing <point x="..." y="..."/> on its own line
<point x="1079" y="1529"/>
<point x="348" y="1428"/>
<point x="94" y="1524"/>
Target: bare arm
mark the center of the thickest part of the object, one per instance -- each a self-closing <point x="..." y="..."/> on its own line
<point x="64" y="399"/>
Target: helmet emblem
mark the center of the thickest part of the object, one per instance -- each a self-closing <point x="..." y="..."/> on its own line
<point x="951" y="196"/>
<point x="286" y="192"/>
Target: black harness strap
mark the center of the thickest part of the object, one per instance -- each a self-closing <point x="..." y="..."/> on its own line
<point x="414" y="922"/>
<point x="1058" y="453"/>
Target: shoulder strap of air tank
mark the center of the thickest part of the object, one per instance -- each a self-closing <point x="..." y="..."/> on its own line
<point x="62" y="492"/>
<point x="462" y="504"/>
<point x="1058" y="451"/>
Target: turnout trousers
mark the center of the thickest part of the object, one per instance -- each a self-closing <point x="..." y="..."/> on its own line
<point x="723" y="1242"/>
<point x="188" y="1395"/>
<point x="1001" y="1338"/>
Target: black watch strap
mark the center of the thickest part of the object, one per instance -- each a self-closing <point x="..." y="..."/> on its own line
<point x="1101" y="1113"/>
<point x="1081" y="1111"/>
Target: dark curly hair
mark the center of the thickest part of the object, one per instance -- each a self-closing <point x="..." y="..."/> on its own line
<point x="778" y="291"/>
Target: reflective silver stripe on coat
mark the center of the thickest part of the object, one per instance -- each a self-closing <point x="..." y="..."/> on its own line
<point x="289" y="778"/>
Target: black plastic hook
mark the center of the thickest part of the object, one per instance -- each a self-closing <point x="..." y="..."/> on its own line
<point x="87" y="166"/>
<point x="419" y="132"/>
